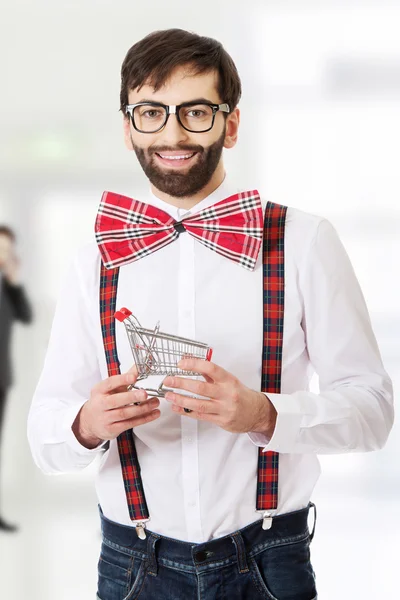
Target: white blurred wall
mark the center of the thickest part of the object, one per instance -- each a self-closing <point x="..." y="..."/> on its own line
<point x="320" y="131"/>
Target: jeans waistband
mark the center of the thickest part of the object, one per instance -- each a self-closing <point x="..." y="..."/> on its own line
<point x="248" y="540"/>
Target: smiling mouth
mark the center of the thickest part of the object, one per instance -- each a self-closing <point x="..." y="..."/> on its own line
<point x="175" y="159"/>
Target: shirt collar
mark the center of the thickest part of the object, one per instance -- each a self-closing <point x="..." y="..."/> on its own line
<point x="225" y="190"/>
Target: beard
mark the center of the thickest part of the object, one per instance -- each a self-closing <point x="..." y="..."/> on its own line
<point x="181" y="185"/>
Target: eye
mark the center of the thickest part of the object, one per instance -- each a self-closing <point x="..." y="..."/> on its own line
<point x="151" y="113"/>
<point x="196" y="113"/>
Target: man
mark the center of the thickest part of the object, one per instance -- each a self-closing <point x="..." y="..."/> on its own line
<point x="190" y="507"/>
<point x="13" y="306"/>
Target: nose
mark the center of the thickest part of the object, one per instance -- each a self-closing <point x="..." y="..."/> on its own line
<point x="172" y="133"/>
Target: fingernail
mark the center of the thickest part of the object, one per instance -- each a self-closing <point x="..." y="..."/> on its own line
<point x="169" y="397"/>
<point x="169" y="381"/>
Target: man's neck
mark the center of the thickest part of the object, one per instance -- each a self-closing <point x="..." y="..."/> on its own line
<point x="189" y="201"/>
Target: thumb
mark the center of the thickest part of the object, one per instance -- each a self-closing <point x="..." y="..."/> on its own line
<point x="133" y="371"/>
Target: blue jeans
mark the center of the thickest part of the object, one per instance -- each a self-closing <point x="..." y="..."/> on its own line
<point x="252" y="563"/>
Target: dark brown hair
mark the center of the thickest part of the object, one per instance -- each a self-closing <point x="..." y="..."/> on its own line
<point x="154" y="58"/>
<point x="4" y="230"/>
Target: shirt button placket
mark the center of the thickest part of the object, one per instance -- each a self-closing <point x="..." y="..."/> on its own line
<point x="189" y="427"/>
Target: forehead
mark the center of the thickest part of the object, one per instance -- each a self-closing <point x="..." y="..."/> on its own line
<point x="181" y="86"/>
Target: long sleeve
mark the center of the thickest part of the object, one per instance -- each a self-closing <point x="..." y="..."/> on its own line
<point x="70" y="371"/>
<point x="21" y="306"/>
<point x="354" y="410"/>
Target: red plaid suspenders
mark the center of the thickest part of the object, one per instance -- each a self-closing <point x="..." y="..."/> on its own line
<point x="273" y="312"/>
<point x="135" y="497"/>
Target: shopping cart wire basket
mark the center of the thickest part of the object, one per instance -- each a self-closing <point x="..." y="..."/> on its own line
<point x="158" y="353"/>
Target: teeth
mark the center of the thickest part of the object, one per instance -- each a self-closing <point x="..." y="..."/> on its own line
<point x="177" y="157"/>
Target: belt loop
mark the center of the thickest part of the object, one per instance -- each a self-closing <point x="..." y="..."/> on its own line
<point x="240" y="552"/>
<point x="312" y="505"/>
<point x="151" y="554"/>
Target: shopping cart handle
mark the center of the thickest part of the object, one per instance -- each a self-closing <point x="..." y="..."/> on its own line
<point x="122" y="314"/>
<point x="209" y="354"/>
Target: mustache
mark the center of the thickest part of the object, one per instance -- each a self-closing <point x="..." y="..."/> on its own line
<point x="159" y="149"/>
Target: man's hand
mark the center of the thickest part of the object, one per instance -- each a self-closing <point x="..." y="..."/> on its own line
<point x="230" y="404"/>
<point x="110" y="410"/>
<point x="11" y="269"/>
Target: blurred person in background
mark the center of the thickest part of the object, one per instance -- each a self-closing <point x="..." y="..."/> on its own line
<point x="14" y="306"/>
<point x="205" y="493"/>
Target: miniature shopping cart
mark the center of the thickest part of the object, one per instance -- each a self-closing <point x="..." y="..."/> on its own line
<point x="157" y="353"/>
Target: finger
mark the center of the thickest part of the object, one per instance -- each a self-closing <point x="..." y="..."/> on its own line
<point x="133" y="370"/>
<point x="109" y="385"/>
<point x="126" y="413"/>
<point x="193" y="404"/>
<point x="216" y="373"/>
<point x="200" y="388"/>
<point x="125" y="388"/>
<point x="114" y="401"/>
<point x="121" y="426"/>
<point x="210" y="417"/>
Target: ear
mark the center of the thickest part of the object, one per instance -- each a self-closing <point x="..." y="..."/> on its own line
<point x="232" y="128"/>
<point x="127" y="132"/>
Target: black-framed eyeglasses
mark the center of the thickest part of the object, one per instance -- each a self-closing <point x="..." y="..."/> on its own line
<point x="150" y="117"/>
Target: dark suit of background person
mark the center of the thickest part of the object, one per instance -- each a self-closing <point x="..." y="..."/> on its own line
<point x="14" y="306"/>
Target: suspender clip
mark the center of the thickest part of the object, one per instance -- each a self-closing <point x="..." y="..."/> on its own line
<point x="141" y="530"/>
<point x="267" y="521"/>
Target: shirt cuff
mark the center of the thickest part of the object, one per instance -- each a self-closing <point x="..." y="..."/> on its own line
<point x="287" y="427"/>
<point x="68" y="436"/>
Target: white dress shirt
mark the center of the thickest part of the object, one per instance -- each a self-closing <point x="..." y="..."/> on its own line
<point x="200" y="480"/>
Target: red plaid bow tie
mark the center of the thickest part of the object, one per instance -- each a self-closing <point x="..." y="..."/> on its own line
<point x="127" y="229"/>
